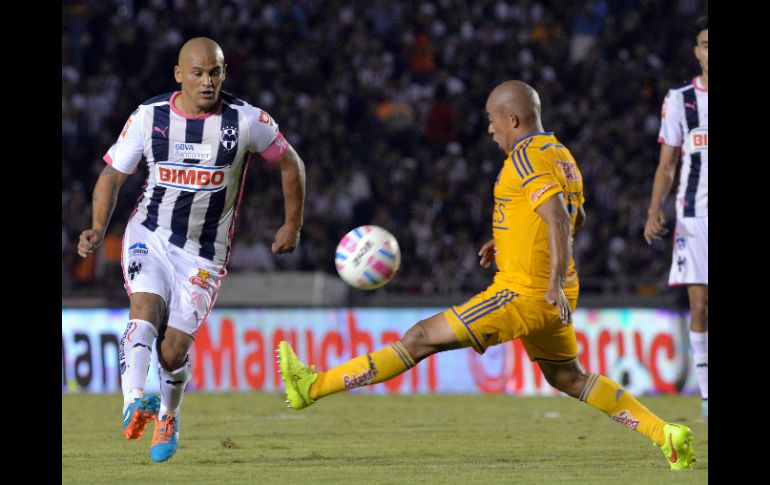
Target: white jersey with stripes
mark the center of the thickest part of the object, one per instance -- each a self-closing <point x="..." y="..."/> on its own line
<point x="196" y="168"/>
<point x="685" y="121"/>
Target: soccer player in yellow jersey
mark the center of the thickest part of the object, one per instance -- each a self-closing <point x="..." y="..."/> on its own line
<point x="538" y="199"/>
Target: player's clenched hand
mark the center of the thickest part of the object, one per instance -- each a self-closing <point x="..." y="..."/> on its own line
<point x="487" y="253"/>
<point x="655" y="227"/>
<point x="90" y="239"/>
<point x="558" y="298"/>
<point x="286" y="239"/>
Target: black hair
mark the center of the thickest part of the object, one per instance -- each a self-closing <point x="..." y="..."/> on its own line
<point x="701" y="25"/>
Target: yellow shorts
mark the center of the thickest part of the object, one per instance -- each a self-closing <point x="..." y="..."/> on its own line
<point x="497" y="315"/>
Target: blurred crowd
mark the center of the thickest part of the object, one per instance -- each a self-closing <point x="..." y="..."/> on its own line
<point x="384" y="101"/>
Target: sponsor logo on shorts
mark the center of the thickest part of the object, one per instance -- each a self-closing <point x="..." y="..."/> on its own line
<point x="134" y="269"/>
<point x="626" y="419"/>
<point x="681" y="261"/>
<point x="139" y="249"/>
<point x="542" y="190"/>
<point x="201" y="279"/>
<point x="680" y="243"/>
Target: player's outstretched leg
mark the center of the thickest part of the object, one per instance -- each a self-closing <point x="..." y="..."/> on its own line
<point x="609" y="397"/>
<point x="165" y="440"/>
<point x="304" y="385"/>
<point x="134" y="356"/>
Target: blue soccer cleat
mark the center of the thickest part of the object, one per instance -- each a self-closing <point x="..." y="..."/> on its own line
<point x="166" y="437"/>
<point x="138" y="414"/>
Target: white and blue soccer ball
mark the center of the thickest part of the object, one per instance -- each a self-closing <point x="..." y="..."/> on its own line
<point x="367" y="257"/>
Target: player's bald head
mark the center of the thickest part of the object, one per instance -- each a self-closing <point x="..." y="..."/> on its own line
<point x="201" y="71"/>
<point x="515" y="98"/>
<point x="200" y="47"/>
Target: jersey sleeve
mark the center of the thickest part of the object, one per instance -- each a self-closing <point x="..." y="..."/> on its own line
<point x="126" y="153"/>
<point x="670" y="127"/>
<point x="535" y="176"/>
<point x="264" y="136"/>
<point x="579" y="186"/>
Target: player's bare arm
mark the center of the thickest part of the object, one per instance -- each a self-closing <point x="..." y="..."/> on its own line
<point x="554" y="213"/>
<point x="664" y="180"/>
<point x="293" y="184"/>
<point x="104" y="197"/>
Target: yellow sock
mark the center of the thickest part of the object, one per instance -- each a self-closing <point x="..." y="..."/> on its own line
<point x="609" y="397"/>
<point x="363" y="370"/>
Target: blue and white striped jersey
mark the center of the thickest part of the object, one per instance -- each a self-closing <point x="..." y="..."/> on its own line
<point x="196" y="168"/>
<point x="685" y="121"/>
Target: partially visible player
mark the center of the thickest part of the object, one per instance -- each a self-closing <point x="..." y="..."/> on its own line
<point x="177" y="241"/>
<point x="684" y="134"/>
<point x="538" y="197"/>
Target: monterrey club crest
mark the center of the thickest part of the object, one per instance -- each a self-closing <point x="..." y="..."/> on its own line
<point x="228" y="136"/>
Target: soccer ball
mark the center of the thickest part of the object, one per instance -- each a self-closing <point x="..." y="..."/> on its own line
<point x="367" y="257"/>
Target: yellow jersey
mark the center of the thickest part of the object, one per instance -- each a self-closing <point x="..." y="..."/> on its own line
<point x="538" y="168"/>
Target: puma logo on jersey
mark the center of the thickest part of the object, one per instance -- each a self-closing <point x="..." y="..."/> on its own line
<point x="162" y="132"/>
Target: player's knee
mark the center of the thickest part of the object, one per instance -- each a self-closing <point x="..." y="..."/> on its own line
<point x="172" y="354"/>
<point x="417" y="341"/>
<point x="566" y="378"/>
<point x="172" y="359"/>
<point x="147" y="306"/>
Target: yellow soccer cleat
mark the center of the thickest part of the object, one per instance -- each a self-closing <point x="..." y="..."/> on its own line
<point x="296" y="376"/>
<point x="678" y="446"/>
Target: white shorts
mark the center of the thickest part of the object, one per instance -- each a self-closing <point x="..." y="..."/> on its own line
<point x="690" y="264"/>
<point x="186" y="282"/>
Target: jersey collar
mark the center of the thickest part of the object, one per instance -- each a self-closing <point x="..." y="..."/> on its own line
<point x="520" y="140"/>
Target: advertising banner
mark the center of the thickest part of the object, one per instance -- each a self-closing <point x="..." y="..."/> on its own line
<point x="644" y="349"/>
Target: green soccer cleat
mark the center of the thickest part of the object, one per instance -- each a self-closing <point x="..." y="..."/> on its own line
<point x="678" y="446"/>
<point x="297" y="376"/>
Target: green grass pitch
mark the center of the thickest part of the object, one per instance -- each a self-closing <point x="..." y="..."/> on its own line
<point x="254" y="438"/>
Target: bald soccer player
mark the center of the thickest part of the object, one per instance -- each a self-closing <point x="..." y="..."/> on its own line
<point x="177" y="240"/>
<point x="538" y="199"/>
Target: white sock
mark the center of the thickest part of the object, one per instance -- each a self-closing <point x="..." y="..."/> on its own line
<point x="699" y="341"/>
<point x="134" y="355"/>
<point x="172" y="386"/>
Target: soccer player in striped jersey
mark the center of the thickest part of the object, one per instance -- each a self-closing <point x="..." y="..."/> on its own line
<point x="684" y="134"/>
<point x="177" y="241"/>
<point x="538" y="199"/>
